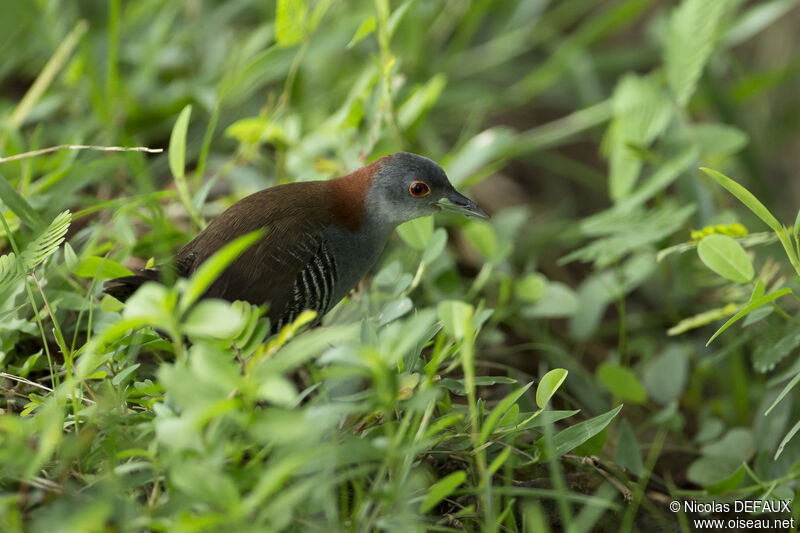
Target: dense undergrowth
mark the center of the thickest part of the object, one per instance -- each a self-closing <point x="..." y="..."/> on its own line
<point x="622" y="332"/>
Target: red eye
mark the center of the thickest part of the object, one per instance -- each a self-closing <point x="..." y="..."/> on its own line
<point x="419" y="188"/>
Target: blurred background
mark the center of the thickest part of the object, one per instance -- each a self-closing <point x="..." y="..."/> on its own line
<point x="580" y="126"/>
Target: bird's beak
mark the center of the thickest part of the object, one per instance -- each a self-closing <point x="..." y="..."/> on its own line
<point x="458" y="203"/>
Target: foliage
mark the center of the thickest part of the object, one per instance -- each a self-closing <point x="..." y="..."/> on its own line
<point x="621" y="333"/>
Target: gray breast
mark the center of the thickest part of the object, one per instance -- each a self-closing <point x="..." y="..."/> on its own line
<point x="313" y="288"/>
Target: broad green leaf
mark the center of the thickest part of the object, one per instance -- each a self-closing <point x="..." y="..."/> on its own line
<point x="575" y="435"/>
<point x="665" y="378"/>
<point x="394" y="310"/>
<point x="593" y="446"/>
<point x="442" y="489"/>
<point x="548" y="386"/>
<point x="755" y="304"/>
<point x="641" y="113"/>
<point x="213" y="318"/>
<point x="482" y="236"/>
<point x="205" y="275"/>
<point x="500" y="409"/>
<point x="708" y="471"/>
<point x="102" y="267"/>
<point x="621" y="382"/>
<point x="290" y="21"/>
<point x="366" y="28"/>
<point x="12" y="199"/>
<point x="558" y="301"/>
<point x="152" y="302"/>
<point x="628" y="453"/>
<point x="177" y="144"/>
<point x="718" y="139"/>
<point x="711" y="471"/>
<point x="417" y="233"/>
<point x="726" y="257"/>
<point x="109" y="304"/>
<point x="531" y="287"/>
<point x="456" y="316"/>
<point x="737" y="443"/>
<point x="435" y="246"/>
<point x="744" y="196"/>
<point x="692" y="31"/>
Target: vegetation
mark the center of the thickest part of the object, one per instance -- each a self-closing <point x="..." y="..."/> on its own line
<point x="622" y="333"/>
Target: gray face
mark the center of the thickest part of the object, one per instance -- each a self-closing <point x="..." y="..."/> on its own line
<point x="409" y="186"/>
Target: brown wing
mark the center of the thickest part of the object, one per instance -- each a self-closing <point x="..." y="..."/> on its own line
<point x="293" y="215"/>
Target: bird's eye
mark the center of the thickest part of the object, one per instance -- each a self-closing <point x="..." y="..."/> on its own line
<point x="419" y="189"/>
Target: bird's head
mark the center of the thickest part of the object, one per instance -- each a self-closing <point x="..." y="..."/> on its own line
<point x="406" y="186"/>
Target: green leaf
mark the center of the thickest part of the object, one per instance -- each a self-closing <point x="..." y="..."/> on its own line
<point x="27" y="214"/>
<point x="575" y="435"/>
<point x="641" y="113"/>
<point x="177" y="144"/>
<point x="481" y="150"/>
<point x="713" y="471"/>
<point x="397" y="16"/>
<point x="621" y="382"/>
<point x="499" y="461"/>
<point x="109" y="304"/>
<point x="290" y="22"/>
<point x="718" y="139"/>
<point x="755" y="304"/>
<point x="531" y="287"/>
<point x="205" y="275"/>
<point x="482" y="236"/>
<point x="548" y="386"/>
<point x="70" y="257"/>
<point x="456" y="316"/>
<point x="744" y="196"/>
<point x="435" y="246"/>
<point x="726" y="257"/>
<point x="691" y="34"/>
<point x="796" y="230"/>
<point x="558" y="301"/>
<point x="665" y="378"/>
<point x="102" y="267"/>
<point x="500" y="409"/>
<point x="737" y="443"/>
<point x="417" y="233"/>
<point x="213" y="318"/>
<point x="420" y="100"/>
<point x="442" y="489"/>
<point x="628" y="453"/>
<point x="366" y="28"/>
<point x="792" y="432"/>
<point x="774" y="344"/>
<point x="786" y="390"/>
<point x="593" y="446"/>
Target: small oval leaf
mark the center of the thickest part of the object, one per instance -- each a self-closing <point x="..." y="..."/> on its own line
<point x="726" y="257"/>
<point x="549" y="385"/>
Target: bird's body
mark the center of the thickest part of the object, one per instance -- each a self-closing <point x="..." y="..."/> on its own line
<point x="321" y="237"/>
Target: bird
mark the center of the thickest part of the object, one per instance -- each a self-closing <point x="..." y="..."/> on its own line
<point x="321" y="237"/>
